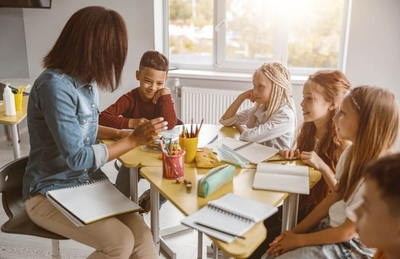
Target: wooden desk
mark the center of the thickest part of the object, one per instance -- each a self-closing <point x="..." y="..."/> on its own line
<point x="189" y="202"/>
<point x="137" y="158"/>
<point x="13" y="121"/>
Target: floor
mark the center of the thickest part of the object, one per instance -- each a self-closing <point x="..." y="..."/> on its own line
<point x="21" y="247"/>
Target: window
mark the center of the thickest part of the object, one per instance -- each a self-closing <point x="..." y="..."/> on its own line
<point x="240" y="35"/>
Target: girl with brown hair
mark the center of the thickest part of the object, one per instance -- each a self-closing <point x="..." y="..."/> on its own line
<point x="318" y="144"/>
<point x="369" y="118"/>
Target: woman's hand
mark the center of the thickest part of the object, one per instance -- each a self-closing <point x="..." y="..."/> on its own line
<point x="147" y="132"/>
<point x="134" y="123"/>
<point x="123" y="134"/>
<point x="289" y="154"/>
<point x="285" y="242"/>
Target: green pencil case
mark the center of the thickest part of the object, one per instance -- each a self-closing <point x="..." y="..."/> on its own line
<point x="215" y="179"/>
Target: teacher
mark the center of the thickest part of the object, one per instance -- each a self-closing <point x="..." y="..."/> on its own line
<point x="88" y="55"/>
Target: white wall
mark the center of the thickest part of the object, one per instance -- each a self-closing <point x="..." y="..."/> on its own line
<point x="374" y="44"/>
<point x="42" y="28"/>
<point x="373" y="51"/>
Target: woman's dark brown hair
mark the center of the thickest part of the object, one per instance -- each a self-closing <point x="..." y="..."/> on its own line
<point x="93" y="45"/>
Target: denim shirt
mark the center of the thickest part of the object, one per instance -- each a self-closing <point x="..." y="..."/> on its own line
<point x="62" y="123"/>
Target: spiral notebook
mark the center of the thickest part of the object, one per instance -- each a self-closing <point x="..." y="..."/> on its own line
<point x="88" y="203"/>
<point x="229" y="217"/>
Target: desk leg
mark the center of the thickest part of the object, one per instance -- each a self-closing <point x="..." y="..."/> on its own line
<point x="289" y="213"/>
<point x="199" y="245"/>
<point x="15" y="138"/>
<point x="133" y="182"/>
<point x="154" y="220"/>
<point x="155" y="223"/>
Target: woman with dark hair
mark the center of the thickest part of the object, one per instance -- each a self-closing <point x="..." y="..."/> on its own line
<point x="63" y="125"/>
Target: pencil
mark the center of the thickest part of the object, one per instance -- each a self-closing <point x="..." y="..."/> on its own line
<point x="282" y="159"/>
<point x="221" y="231"/>
<point x="201" y="124"/>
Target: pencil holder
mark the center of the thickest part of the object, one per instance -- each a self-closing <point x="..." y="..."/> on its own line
<point x="190" y="147"/>
<point x="172" y="166"/>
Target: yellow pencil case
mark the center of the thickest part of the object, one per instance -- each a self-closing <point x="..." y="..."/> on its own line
<point x="206" y="158"/>
<point x="215" y="179"/>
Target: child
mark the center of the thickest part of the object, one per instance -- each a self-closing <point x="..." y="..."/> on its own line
<point x="148" y="101"/>
<point x="369" y="118"/>
<point x="318" y="140"/>
<point x="272" y="121"/>
<point x="378" y="218"/>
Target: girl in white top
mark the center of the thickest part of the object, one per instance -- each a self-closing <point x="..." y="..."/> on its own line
<point x="369" y="118"/>
<point x="272" y="121"/>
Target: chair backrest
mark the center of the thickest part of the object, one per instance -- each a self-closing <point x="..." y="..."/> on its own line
<point x="11" y="176"/>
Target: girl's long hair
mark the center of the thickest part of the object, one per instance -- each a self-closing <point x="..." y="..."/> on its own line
<point x="377" y="133"/>
<point x="92" y="45"/>
<point x="281" y="93"/>
<point x="332" y="85"/>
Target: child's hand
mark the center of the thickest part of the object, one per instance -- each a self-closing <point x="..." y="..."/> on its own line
<point x="240" y="128"/>
<point x="285" y="242"/>
<point x="249" y="94"/>
<point x="275" y="244"/>
<point x="289" y="154"/>
<point x="162" y="91"/>
<point x="134" y="123"/>
<point x="312" y="159"/>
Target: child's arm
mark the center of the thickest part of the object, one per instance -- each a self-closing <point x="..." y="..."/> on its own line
<point x="111" y="117"/>
<point x="165" y="106"/>
<point x="234" y="107"/>
<point x="318" y="213"/>
<point x="291" y="241"/>
<point x="313" y="160"/>
<point x="280" y="123"/>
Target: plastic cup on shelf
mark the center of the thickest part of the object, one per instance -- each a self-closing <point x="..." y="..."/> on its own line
<point x="18" y="101"/>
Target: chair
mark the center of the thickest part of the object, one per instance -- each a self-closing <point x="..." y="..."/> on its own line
<point x="19" y="222"/>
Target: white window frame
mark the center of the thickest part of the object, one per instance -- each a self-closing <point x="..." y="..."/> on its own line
<point x="280" y="52"/>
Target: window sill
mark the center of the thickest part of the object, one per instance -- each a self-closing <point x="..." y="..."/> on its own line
<point x="224" y="76"/>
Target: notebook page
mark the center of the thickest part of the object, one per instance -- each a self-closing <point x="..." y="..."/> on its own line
<point x="245" y="207"/>
<point x="294" y="180"/>
<point x="92" y="202"/>
<point x="282" y="169"/>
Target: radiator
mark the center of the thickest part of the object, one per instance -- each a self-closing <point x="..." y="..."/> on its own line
<point x="207" y="104"/>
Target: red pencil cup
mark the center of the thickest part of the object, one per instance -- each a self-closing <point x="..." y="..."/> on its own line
<point x="172" y="166"/>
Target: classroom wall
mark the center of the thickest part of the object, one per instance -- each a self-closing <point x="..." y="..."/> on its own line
<point x="373" y="53"/>
<point x="13" y="57"/>
<point x="42" y="28"/>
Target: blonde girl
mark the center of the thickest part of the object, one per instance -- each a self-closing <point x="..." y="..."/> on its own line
<point x="272" y="120"/>
<point x="369" y="118"/>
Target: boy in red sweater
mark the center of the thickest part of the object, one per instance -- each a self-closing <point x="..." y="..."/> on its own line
<point x="148" y="101"/>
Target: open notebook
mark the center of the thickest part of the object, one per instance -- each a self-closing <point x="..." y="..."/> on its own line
<point x="242" y="151"/>
<point x="87" y="203"/>
<point x="284" y="178"/>
<point x="229" y="217"/>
